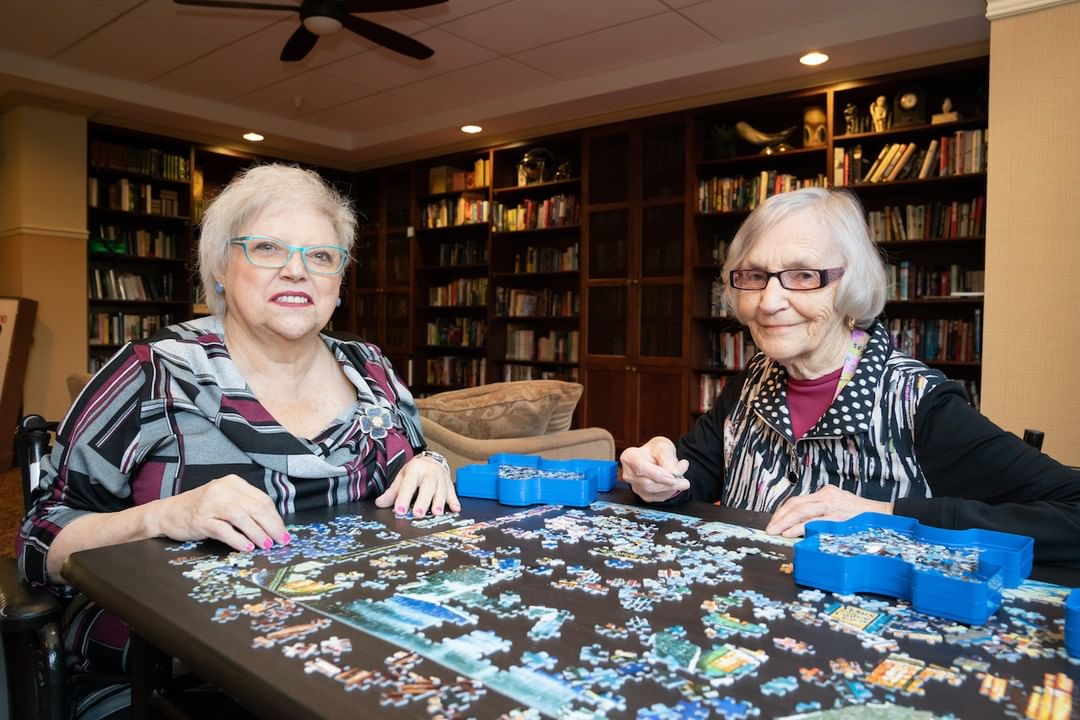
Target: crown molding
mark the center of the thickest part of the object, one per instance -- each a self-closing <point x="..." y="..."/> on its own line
<point x="40" y="231"/>
<point x="997" y="9"/>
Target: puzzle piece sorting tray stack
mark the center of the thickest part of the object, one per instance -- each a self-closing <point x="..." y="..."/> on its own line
<point x="955" y="574"/>
<point x="530" y="479"/>
<point x="1072" y="624"/>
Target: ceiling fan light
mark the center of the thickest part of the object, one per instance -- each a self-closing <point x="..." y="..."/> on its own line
<point x="322" y="25"/>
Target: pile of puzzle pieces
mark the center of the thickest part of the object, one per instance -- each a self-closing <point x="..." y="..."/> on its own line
<point x="530" y="479"/>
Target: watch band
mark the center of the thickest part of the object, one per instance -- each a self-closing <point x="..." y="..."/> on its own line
<point x="437" y="457"/>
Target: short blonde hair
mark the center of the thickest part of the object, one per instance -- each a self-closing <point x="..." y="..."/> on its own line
<point x="862" y="290"/>
<point x="279" y="186"/>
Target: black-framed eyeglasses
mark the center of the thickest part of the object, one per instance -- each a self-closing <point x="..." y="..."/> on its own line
<point x="794" y="279"/>
<point x="267" y="252"/>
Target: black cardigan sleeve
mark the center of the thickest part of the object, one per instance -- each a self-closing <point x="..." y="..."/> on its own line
<point x="984" y="477"/>
<point x="703" y="446"/>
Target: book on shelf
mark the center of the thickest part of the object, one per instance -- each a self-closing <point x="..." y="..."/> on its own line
<point x="903" y="158"/>
<point x="709" y="387"/>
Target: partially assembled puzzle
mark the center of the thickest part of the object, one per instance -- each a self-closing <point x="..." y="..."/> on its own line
<point x="616" y="611"/>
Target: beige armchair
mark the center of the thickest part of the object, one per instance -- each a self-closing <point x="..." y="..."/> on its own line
<point x="529" y="417"/>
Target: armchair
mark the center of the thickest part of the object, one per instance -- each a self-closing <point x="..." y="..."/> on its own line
<point x="530" y="417"/>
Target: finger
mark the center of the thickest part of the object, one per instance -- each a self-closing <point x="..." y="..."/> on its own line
<point x="247" y="526"/>
<point x="795" y="531"/>
<point x="224" y="532"/>
<point x="387" y="498"/>
<point x="406" y="489"/>
<point x="438" y="502"/>
<point x="793" y="511"/>
<point x="425" y="492"/>
<point x="271" y="523"/>
<point x="452" y="499"/>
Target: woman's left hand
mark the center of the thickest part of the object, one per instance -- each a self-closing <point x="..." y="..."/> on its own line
<point x="429" y="481"/>
<point x="828" y="503"/>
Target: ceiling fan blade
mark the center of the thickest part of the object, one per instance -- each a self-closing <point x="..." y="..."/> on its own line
<point x="298" y="45"/>
<point x="238" y="5"/>
<point x="389" y="39"/>
<point x="361" y="6"/>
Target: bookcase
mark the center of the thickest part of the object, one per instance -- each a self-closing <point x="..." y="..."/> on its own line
<point x="139" y="228"/>
<point x="451" y="291"/>
<point x="635" y="215"/>
<point x="535" y="260"/>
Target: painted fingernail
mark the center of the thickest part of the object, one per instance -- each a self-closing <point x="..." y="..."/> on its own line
<point x="399" y="510"/>
<point x="286" y="538"/>
<point x="437" y="511"/>
<point x="249" y="547"/>
<point x="267" y="544"/>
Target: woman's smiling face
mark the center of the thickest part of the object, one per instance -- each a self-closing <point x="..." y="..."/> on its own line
<point x="289" y="302"/>
<point x="800" y="329"/>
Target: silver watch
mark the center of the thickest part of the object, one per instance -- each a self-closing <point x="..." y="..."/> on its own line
<point x="437" y="457"/>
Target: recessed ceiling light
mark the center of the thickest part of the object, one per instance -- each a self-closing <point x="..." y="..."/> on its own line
<point x="253" y="137"/>
<point x="814" y="58"/>
<point x="471" y="129"/>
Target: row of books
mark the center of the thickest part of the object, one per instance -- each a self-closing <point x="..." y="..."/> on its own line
<point x="940" y="340"/>
<point x="156" y="163"/>
<point x="456" y="332"/>
<point x="452" y="371"/>
<point x="445" y="178"/>
<point x="912" y="282"/>
<point x="451" y="212"/>
<point x="460" y="292"/>
<point x="119" y="328"/>
<point x="126" y="241"/>
<point x="524" y="343"/>
<point x="108" y="284"/>
<point x="958" y="219"/>
<point x="514" y="302"/>
<point x="729" y="350"/>
<point x="737" y="194"/>
<point x="134" y="196"/>
<point x="962" y="153"/>
<point x="709" y="387"/>
<point x="535" y="214"/>
<point x="511" y="373"/>
<point x="547" y="259"/>
<point x="466" y="253"/>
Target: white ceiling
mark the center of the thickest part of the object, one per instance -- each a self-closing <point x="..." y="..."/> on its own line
<point x="517" y="67"/>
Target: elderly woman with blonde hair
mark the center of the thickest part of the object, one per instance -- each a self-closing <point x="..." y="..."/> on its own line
<point x="830" y="420"/>
<point x="217" y="427"/>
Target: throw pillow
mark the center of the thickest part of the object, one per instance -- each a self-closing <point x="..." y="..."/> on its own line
<point x="504" y="410"/>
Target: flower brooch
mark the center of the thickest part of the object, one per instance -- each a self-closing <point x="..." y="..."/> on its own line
<point x="376" y="422"/>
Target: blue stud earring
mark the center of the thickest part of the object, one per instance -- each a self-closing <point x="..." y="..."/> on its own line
<point x="339" y="302"/>
<point x="219" y="288"/>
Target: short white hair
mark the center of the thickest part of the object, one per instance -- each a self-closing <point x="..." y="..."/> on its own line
<point x="862" y="290"/>
<point x="279" y="186"/>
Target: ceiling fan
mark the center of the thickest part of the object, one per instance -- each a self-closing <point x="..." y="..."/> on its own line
<point x="324" y="17"/>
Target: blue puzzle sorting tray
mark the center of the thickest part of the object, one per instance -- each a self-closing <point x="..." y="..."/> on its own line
<point x="955" y="574"/>
<point x="530" y="480"/>
<point x="1072" y="624"/>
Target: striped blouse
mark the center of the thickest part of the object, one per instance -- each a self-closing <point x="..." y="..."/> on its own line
<point x="172" y="413"/>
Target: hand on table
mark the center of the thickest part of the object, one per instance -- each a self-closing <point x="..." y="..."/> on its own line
<point x="429" y="481"/>
<point x="828" y="503"/>
<point x="653" y="470"/>
<point x="228" y="509"/>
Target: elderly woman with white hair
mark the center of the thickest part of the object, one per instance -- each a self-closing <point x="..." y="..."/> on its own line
<point x="217" y="427"/>
<point x="829" y="420"/>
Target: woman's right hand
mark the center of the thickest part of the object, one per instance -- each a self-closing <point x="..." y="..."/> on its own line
<point x="653" y="470"/>
<point x="228" y="509"/>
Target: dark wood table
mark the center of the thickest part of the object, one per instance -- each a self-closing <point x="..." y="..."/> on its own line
<point x="144" y="583"/>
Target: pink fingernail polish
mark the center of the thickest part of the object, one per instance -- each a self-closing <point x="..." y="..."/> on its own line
<point x="399" y="510"/>
<point x="286" y="538"/>
<point x="437" y="511"/>
<point x="267" y="544"/>
<point x="249" y="547"/>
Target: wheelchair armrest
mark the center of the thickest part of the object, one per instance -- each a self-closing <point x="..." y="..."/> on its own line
<point x="23" y="607"/>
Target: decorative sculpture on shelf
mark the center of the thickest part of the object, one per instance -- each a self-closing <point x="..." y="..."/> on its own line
<point x="535" y="166"/>
<point x="769" y="143"/>
<point x="851" y="119"/>
<point x="813" y="127"/>
<point x="879" y="114"/>
<point x="947" y="113"/>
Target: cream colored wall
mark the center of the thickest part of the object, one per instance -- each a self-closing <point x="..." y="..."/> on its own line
<point x="1031" y="345"/>
<point x="43" y="243"/>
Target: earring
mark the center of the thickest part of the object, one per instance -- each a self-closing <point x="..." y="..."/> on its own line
<point x="850" y="324"/>
<point x="219" y="288"/>
<point x="339" y="302"/>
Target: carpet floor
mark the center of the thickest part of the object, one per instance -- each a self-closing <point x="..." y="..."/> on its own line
<point x="11" y="510"/>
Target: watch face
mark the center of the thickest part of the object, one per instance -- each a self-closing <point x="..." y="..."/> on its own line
<point x="909" y="100"/>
